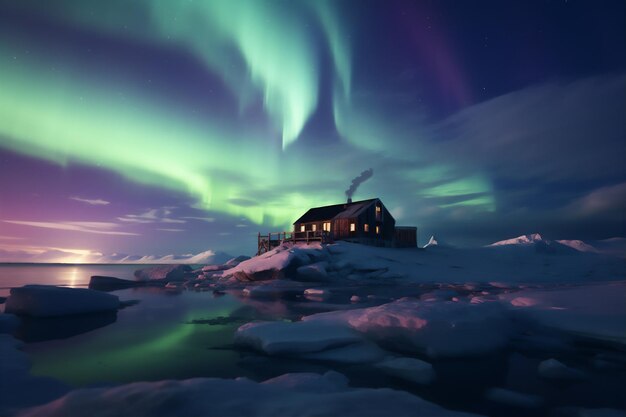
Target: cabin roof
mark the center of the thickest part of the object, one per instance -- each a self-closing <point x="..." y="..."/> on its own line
<point x="336" y="211"/>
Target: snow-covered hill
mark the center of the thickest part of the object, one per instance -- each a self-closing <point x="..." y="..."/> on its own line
<point x="531" y="260"/>
<point x="612" y="247"/>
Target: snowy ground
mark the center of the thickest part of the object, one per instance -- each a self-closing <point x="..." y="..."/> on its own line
<point x="522" y="327"/>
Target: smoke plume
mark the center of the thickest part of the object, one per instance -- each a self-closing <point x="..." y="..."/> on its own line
<point x="365" y="175"/>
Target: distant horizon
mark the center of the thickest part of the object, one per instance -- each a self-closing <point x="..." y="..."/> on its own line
<point x="222" y="255"/>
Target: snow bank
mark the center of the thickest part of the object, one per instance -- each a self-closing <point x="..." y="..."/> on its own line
<point x="526" y="259"/>
<point x="163" y="273"/>
<point x="47" y="300"/>
<point x="289" y="395"/>
<point x="436" y="329"/>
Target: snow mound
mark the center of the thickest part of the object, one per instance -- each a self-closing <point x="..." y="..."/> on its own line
<point x="278" y="337"/>
<point x="289" y="395"/>
<point x="435" y="329"/>
<point x="47" y="301"/>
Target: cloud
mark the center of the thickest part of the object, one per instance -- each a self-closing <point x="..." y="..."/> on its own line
<point x="30" y="253"/>
<point x="551" y="132"/>
<point x="43" y="254"/>
<point x="204" y="219"/>
<point x="52" y="254"/>
<point x="601" y="201"/>
<point x="11" y="238"/>
<point x="171" y="230"/>
<point x="96" y="202"/>
<point x="103" y="228"/>
<point x="151" y="216"/>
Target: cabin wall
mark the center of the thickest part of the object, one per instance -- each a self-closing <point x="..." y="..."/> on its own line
<point x="405" y="237"/>
<point x="386" y="225"/>
<point x="341" y="229"/>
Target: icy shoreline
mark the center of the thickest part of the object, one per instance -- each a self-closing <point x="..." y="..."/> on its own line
<point x="391" y="311"/>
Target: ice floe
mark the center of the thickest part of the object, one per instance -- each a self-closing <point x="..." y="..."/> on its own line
<point x="435" y="329"/>
<point x="47" y="301"/>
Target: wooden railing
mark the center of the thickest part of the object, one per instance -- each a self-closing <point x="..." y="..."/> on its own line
<point x="271" y="240"/>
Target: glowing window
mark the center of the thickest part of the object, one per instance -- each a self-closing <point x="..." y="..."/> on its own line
<point x="366" y="227"/>
<point x="314" y="227"/>
<point x="352" y="227"/>
<point x="302" y="228"/>
<point x="326" y="227"/>
<point x="377" y="229"/>
<point x="379" y="212"/>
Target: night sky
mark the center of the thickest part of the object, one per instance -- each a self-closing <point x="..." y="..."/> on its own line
<point x="155" y="127"/>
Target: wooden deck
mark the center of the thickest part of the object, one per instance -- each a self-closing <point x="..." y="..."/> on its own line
<point x="272" y="240"/>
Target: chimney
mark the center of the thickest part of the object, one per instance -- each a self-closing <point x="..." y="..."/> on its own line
<point x="349" y="200"/>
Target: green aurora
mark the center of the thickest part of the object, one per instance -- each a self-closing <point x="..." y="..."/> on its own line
<point x="51" y="109"/>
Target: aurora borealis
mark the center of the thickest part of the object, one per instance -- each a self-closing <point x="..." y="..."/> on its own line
<point x="158" y="127"/>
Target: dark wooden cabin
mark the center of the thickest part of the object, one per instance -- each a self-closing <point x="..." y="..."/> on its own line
<point x="367" y="222"/>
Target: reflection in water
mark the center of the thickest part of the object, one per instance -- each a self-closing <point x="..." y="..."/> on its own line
<point x="34" y="329"/>
<point x="73" y="277"/>
<point x="150" y="341"/>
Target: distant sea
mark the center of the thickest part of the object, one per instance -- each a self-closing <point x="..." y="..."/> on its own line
<point x="71" y="275"/>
